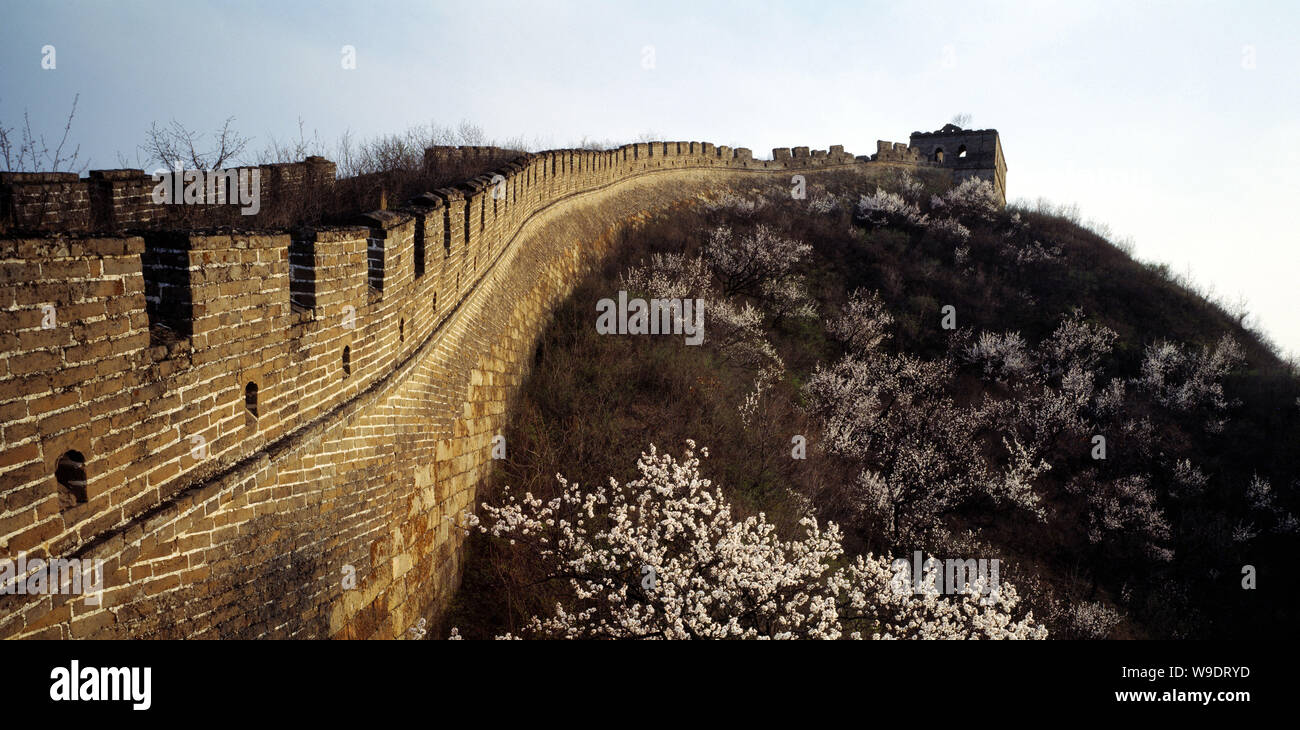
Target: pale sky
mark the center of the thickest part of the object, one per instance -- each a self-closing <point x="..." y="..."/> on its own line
<point x="1174" y="123"/>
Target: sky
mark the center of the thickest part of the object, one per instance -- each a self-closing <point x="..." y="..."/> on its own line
<point x="1175" y="124"/>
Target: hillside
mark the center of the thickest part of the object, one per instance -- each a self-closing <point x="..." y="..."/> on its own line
<point x="825" y="323"/>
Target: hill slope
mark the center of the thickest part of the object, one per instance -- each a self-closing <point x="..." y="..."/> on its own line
<point x="950" y="367"/>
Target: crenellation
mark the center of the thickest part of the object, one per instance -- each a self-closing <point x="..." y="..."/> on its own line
<point x="478" y="193"/>
<point x="121" y="199"/>
<point x="58" y="200"/>
<point x="455" y="231"/>
<point x="108" y="201"/>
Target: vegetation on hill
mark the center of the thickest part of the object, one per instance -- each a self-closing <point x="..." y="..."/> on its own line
<point x="889" y="371"/>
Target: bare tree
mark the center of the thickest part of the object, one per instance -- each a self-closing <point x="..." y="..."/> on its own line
<point x="175" y="142"/>
<point x="292" y="150"/>
<point x="961" y="120"/>
<point x="469" y="133"/>
<point x="589" y="143"/>
<point x="28" y="152"/>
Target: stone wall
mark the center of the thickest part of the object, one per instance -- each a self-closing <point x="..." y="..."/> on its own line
<point x="241" y="424"/>
<point x="109" y="201"/>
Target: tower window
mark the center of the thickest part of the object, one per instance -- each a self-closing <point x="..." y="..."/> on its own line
<point x="961" y="151"/>
<point x="347" y="361"/>
<point x="70" y="473"/>
<point x="250" y="398"/>
<point x="938" y="154"/>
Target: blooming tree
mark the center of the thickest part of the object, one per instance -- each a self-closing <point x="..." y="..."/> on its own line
<point x="1003" y="357"/>
<point x="663" y="557"/>
<point x="1184" y="380"/>
<point x="921" y="454"/>
<point x="745" y="277"/>
<point x="1092" y="619"/>
<point x="823" y="203"/>
<point x="670" y="276"/>
<point x="744" y="263"/>
<point x="1260" y="496"/>
<point x="884" y="208"/>
<point x="948" y="229"/>
<point x="736" y="205"/>
<point x="1124" y="509"/>
<point x="865" y="322"/>
<point x="973" y="200"/>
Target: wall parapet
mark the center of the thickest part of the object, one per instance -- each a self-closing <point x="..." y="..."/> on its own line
<point x="115" y="201"/>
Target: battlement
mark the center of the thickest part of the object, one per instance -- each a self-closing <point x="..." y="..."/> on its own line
<point x="108" y="201"/>
<point x="180" y="403"/>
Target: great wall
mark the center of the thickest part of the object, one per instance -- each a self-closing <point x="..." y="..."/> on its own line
<point x="263" y="434"/>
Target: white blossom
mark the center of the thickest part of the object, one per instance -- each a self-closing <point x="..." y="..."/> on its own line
<point x="1244" y="532"/>
<point x="889" y="209"/>
<point x="1188" y="480"/>
<point x="1092" y="619"/>
<point x="736" y="205"/>
<point x="670" y="276"/>
<point x="717" y="576"/>
<point x="822" y="201"/>
<point x="1076" y="343"/>
<point x="1260" y="496"/>
<point x="1004" y="356"/>
<point x="745" y="262"/>
<point x="973" y="199"/>
<point x="788" y="298"/>
<point x="1186" y="381"/>
<point x="1124" y="507"/>
<point x="948" y="229"/>
<point x="960" y="256"/>
<point x="865" y="322"/>
<point x="922" y="454"/>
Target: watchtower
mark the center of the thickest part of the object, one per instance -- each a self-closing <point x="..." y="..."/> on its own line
<point x="969" y="152"/>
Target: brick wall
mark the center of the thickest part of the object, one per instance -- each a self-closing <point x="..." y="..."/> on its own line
<point x="109" y="201"/>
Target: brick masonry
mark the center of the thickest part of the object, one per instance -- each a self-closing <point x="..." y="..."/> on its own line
<point x="380" y="360"/>
<point x="109" y="201"/>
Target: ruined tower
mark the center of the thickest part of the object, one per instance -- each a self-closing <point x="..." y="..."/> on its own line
<point x="969" y="152"/>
